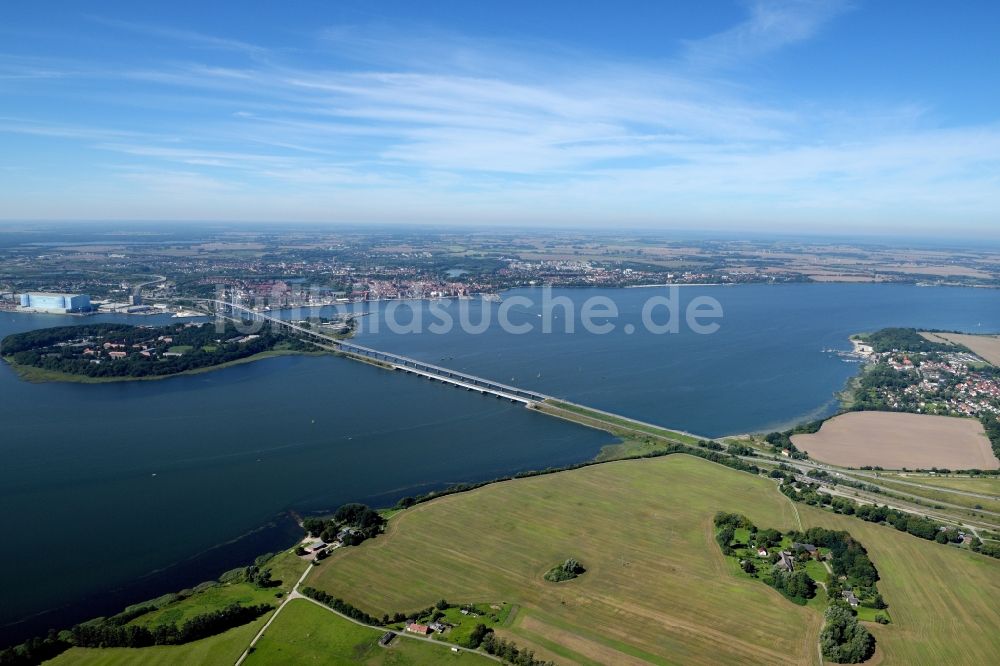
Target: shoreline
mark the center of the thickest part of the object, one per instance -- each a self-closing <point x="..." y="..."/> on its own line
<point x="631" y="424"/>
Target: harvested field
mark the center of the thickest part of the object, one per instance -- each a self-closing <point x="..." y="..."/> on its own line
<point x="657" y="588"/>
<point x="656" y="585"/>
<point x="894" y="440"/>
<point x="984" y="346"/>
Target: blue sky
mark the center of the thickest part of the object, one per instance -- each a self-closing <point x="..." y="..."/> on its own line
<point x="791" y="115"/>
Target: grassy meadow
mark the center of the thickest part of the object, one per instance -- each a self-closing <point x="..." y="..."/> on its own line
<point x="284" y="567"/>
<point x="934" y="495"/>
<point x="657" y="588"/>
<point x="615" y="424"/>
<point x="224" y="648"/>
<point x="984" y="485"/>
<point x="304" y="633"/>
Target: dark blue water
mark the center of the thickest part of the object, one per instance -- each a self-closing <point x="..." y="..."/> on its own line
<point x="765" y="367"/>
<point x="113" y="493"/>
<point x="104" y="485"/>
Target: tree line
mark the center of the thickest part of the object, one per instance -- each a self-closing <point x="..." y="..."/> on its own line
<point x="918" y="526"/>
<point x="101" y="633"/>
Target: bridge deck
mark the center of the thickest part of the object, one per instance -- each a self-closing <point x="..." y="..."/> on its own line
<point x="398" y="361"/>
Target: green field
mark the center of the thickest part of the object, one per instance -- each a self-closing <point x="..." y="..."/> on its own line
<point x="222" y="649"/>
<point x="225" y="648"/>
<point x="304" y="633"/>
<point x="932" y="495"/>
<point x="614" y="424"/>
<point x="657" y="588"/>
<point x="284" y="567"/>
<point x="984" y="485"/>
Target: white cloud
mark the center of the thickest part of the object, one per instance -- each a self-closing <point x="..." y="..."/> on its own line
<point x="387" y="126"/>
<point x="772" y="25"/>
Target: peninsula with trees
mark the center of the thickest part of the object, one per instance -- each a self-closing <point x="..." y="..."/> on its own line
<point x="103" y="352"/>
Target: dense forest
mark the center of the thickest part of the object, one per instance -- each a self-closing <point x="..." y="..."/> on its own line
<point x="148" y="351"/>
<point x="908" y="339"/>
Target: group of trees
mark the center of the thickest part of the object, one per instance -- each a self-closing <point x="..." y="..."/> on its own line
<point x="436" y="611"/>
<point x="783" y="440"/>
<point x="843" y="639"/>
<point x="255" y="574"/>
<point x="991" y="424"/>
<point x="904" y="339"/>
<point x="360" y="517"/>
<point x="737" y="449"/>
<point x="847" y="556"/>
<point x="105" y="634"/>
<point x="568" y="570"/>
<point x="726" y="525"/>
<point x="918" y="526"/>
<point x="509" y="652"/>
<point x="796" y="585"/>
<point x="359" y="520"/>
<point x="341" y="606"/>
<point x="477" y="636"/>
<point x="34" y="651"/>
<point x="208" y="347"/>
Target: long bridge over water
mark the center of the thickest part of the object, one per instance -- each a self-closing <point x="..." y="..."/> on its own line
<point x="395" y="361"/>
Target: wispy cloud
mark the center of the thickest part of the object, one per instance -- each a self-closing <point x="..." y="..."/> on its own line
<point x="372" y="124"/>
<point x="771" y="25"/>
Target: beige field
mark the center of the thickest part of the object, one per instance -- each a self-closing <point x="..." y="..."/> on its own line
<point x="895" y="440"/>
<point x="984" y="346"/>
<point x="939" y="270"/>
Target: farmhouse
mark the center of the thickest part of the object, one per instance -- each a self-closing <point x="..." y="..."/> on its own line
<point x="851" y="598"/>
<point x="421" y="629"/>
<point x="786" y="560"/>
<point x="808" y="547"/>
